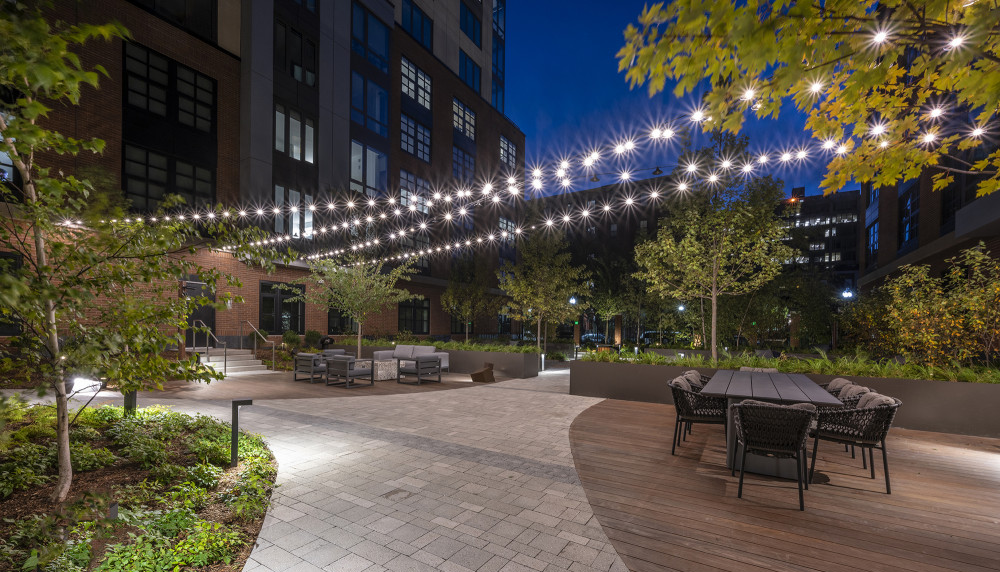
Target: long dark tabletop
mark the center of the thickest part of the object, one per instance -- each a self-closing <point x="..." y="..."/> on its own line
<point x="776" y="387"/>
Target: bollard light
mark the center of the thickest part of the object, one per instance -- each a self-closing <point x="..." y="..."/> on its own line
<point x="235" y="445"/>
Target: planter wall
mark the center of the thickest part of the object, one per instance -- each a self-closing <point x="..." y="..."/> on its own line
<point x="928" y="405"/>
<point x="466" y="361"/>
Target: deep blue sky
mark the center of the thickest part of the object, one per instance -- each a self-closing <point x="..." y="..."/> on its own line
<point x="565" y="92"/>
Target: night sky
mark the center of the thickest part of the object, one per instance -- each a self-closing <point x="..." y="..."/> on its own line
<point x="565" y="92"/>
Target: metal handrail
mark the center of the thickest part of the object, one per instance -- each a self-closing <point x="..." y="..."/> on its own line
<point x="209" y="334"/>
<point x="261" y="336"/>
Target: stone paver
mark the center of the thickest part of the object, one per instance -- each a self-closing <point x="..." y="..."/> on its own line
<point x="472" y="480"/>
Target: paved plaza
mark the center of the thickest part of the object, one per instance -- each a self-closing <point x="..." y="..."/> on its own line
<point x="473" y="479"/>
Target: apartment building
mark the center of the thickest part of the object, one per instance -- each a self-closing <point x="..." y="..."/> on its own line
<point x="292" y="103"/>
<point x="826" y="231"/>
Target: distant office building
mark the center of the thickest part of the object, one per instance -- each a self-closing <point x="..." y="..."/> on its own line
<point x="826" y="232"/>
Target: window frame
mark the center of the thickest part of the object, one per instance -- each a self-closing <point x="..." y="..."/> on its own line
<point x="467" y="66"/>
<point x="463" y="119"/>
<point x="415" y="83"/>
<point x="414" y="138"/>
<point x="471" y="24"/>
<point x="412" y="307"/>
<point x="280" y="296"/>
<point x="424" y="36"/>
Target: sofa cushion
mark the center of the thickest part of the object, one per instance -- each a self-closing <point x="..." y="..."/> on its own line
<point x="422" y="351"/>
<point x="402" y="351"/>
<point x="681" y="382"/>
<point x="694" y="378"/>
<point x="852" y="390"/>
<point x="838" y="383"/>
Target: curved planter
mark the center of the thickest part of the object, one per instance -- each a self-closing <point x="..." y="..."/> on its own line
<point x="928" y="405"/>
<point x="516" y="365"/>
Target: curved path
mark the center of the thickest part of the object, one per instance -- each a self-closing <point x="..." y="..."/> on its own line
<point x="666" y="512"/>
<point x="476" y="479"/>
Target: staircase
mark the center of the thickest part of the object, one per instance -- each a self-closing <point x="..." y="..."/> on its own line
<point x="240" y="362"/>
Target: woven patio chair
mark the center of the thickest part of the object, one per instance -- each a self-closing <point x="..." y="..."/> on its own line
<point x="693" y="407"/>
<point x="866" y="425"/>
<point x="837" y="385"/>
<point x="779" y="431"/>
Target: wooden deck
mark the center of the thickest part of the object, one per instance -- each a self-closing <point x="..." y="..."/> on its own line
<point x="681" y="513"/>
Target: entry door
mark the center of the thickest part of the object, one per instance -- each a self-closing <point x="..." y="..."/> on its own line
<point x="193" y="289"/>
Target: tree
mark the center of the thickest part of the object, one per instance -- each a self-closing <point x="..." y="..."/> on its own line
<point x="467" y="296"/>
<point x="723" y="240"/>
<point x="359" y="289"/>
<point x="543" y="280"/>
<point x="85" y="294"/>
<point x="888" y="80"/>
<point x="607" y="304"/>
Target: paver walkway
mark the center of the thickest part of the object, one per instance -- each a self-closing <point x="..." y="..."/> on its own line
<point x="478" y="479"/>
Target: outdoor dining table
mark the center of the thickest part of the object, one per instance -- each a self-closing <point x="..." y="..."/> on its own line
<point x="782" y="388"/>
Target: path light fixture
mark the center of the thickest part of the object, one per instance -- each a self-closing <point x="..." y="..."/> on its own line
<point x="235" y="445"/>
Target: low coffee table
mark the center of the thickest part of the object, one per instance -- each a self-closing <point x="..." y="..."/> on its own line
<point x="385" y="369"/>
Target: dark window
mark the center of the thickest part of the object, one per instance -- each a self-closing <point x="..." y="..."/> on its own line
<point x="909" y="214"/>
<point x="499" y="16"/>
<point x="413" y="190"/>
<point x="463" y="165"/>
<point x="195" y="16"/>
<point x="370" y="37"/>
<point x="369" y="170"/>
<point x="416" y="83"/>
<point x="277" y="313"/>
<point x="294" y="54"/>
<point x="499" y="61"/>
<point x="294" y="134"/>
<point x="464" y="119"/>
<point x="147" y="77"/>
<point x="471" y="24"/>
<point x="418" y="24"/>
<point x="469" y="71"/>
<point x="369" y="104"/>
<point x="415" y="316"/>
<point x="7" y="172"/>
<point x="458" y="326"/>
<point x="416" y="243"/>
<point x="297" y="221"/>
<point x="195" y="99"/>
<point x="496" y="96"/>
<point x="871" y="242"/>
<point x="156" y="84"/>
<point x="9" y="325"/>
<point x="503" y="325"/>
<point x="415" y="138"/>
<point x="149" y="176"/>
<point x="872" y="195"/>
<point x="338" y="323"/>
<point x="508" y="152"/>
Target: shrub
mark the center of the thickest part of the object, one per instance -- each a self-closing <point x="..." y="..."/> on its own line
<point x="166" y="473"/>
<point x="312" y="338"/>
<point x="83" y="456"/>
<point x="556" y="356"/>
<point x="24" y="467"/>
<point x="291" y="339"/>
<point x="204" y="475"/>
<point x="188" y="495"/>
<point x="207" y="543"/>
<point x="148" y="452"/>
<point x="83" y="434"/>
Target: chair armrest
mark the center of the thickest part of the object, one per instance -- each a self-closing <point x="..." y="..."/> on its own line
<point x="443" y="356"/>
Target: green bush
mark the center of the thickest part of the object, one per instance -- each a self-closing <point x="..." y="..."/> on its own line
<point x="204" y="475"/>
<point x="555" y="356"/>
<point x="166" y="473"/>
<point x="83" y="434"/>
<point x="23" y="467"/>
<point x="146" y="451"/>
<point x="207" y="543"/>
<point x="188" y="495"/>
<point x="312" y="338"/>
<point x="291" y="339"/>
<point x="83" y="456"/>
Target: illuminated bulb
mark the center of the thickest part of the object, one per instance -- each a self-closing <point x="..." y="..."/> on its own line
<point x="629" y="145"/>
<point x="683" y="186"/>
<point x="537" y="173"/>
<point x="561" y="173"/>
<point x="566" y="182"/>
<point x="816" y="87"/>
<point x="668" y="133"/>
<point x="447" y="216"/>
<point x="548" y="222"/>
<point x="511" y="181"/>
<point x="595" y="156"/>
<point x="329" y="206"/>
<point x="607" y="208"/>
<point x="929" y="138"/>
<point x="619" y="148"/>
<point x="356" y="222"/>
<point x="260" y="211"/>
<point x="785" y="157"/>
<point x="800" y="155"/>
<point x="496" y="198"/>
<point x="437" y="196"/>
<point x="371" y="202"/>
<point x="276" y="210"/>
<point x="713" y="178"/>
<point x="512" y="190"/>
<point x="762" y="159"/>
<point x="748" y="94"/>
<point x="656" y="133"/>
<point x="588" y="162"/>
<point x="880" y="37"/>
<point x="370" y="219"/>
<point x="487" y="188"/>
<point x="242" y="213"/>
<point x="697" y="116"/>
<point x="447" y="198"/>
<point x="564" y="165"/>
<point x="691" y="168"/>
<point x="462" y="212"/>
<point x="397" y="212"/>
<point x="566" y="218"/>
<point x="293" y="209"/>
<point x="977" y="132"/>
<point x="936" y="112"/>
<point x="585" y="213"/>
<point x="956" y="42"/>
<point x="312" y="207"/>
<point x="654" y="195"/>
<point x="423" y="226"/>
<point x="517" y="230"/>
<point x="629" y="201"/>
<point x="625" y="175"/>
<point x="537" y="183"/>
<point x="829" y="144"/>
<point x="842" y="149"/>
<point x="747" y="168"/>
<point x="877" y="129"/>
<point x="503" y="234"/>
<point x="350" y="204"/>
<point x="726" y="164"/>
<point x="413" y="208"/>
<point x="883" y="144"/>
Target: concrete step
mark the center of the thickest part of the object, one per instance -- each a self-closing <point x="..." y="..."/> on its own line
<point x="230" y="359"/>
<point x="241" y="368"/>
<point x="247" y="373"/>
<point x="220" y="351"/>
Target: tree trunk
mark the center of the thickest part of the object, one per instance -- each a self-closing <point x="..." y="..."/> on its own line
<point x="466" y="332"/>
<point x="704" y="334"/>
<point x="359" y="341"/>
<point x="715" y="319"/>
<point x="538" y="338"/>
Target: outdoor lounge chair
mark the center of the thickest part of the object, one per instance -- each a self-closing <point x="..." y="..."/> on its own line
<point x="344" y="370"/>
<point x="420" y="366"/>
<point x="773" y="430"/>
<point x="866" y="425"/>
<point x="693" y="407"/>
<point x="311" y="367"/>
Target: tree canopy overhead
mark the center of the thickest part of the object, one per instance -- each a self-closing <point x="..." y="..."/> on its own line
<point x="892" y="87"/>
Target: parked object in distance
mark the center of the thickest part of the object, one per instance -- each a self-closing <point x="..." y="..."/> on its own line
<point x="596" y="337"/>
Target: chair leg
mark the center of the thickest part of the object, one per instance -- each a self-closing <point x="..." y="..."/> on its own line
<point x="803" y="459"/>
<point x="871" y="460"/>
<point x="673" y="444"/>
<point x="864" y="458"/>
<point x="885" y="468"/>
<point x="812" y="469"/>
<point x="743" y="464"/>
<point x="687" y="429"/>
<point x="798" y="469"/>
<point x="736" y="452"/>
<point x="852" y="452"/>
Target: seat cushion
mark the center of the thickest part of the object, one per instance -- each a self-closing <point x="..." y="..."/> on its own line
<point x="873" y="399"/>
<point x="838" y="383"/>
<point x="682" y="383"/>
<point x="422" y="351"/>
<point x="852" y="390"/>
<point x="402" y="352"/>
<point x="693" y="377"/>
<point x="804" y="406"/>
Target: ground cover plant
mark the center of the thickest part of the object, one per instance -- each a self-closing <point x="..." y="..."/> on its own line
<point x="857" y="365"/>
<point x="158" y="492"/>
